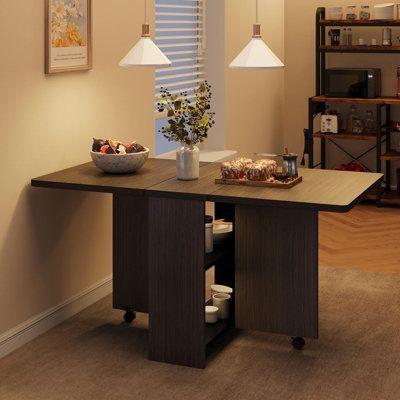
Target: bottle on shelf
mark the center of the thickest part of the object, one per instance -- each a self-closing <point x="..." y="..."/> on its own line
<point x="349" y="37"/>
<point x="354" y="123"/>
<point x="369" y="123"/>
<point x="345" y="40"/>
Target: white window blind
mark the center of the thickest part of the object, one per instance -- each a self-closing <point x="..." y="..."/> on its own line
<point x="180" y="33"/>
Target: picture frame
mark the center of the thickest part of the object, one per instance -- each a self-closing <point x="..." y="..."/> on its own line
<point x="68" y="35"/>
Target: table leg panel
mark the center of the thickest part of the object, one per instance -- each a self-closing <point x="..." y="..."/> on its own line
<point x="130" y="252"/>
<point x="177" y="279"/>
<point x="277" y="270"/>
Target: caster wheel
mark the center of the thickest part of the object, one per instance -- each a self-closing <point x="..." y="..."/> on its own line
<point x="298" y="343"/>
<point x="129" y="316"/>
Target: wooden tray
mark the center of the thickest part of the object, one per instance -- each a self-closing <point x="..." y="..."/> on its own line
<point x="244" y="182"/>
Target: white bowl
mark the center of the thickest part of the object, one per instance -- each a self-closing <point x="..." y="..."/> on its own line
<point x="222" y="232"/>
<point x="221" y="289"/>
<point x="120" y="163"/>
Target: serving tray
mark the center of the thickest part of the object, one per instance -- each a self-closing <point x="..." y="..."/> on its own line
<point x="245" y="182"/>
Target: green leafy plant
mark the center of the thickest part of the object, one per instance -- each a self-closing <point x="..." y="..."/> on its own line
<point x="188" y="122"/>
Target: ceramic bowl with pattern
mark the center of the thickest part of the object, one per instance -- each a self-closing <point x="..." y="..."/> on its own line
<point x="120" y="163"/>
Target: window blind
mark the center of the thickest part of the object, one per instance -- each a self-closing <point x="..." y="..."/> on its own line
<point x="180" y="32"/>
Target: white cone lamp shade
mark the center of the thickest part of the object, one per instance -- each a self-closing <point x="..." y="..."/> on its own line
<point x="145" y="53"/>
<point x="256" y="55"/>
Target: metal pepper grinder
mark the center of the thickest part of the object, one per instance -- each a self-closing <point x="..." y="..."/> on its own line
<point x="290" y="165"/>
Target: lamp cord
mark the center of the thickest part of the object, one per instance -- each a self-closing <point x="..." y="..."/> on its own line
<point x="256" y="11"/>
<point x="145" y="11"/>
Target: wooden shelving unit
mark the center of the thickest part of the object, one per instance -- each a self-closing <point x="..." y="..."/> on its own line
<point x="344" y="136"/>
<point x="391" y="155"/>
<point x="386" y="198"/>
<point x="360" y="49"/>
<point x="381" y="140"/>
<point x="371" y="22"/>
<point x="223" y="259"/>
<point x="383" y="100"/>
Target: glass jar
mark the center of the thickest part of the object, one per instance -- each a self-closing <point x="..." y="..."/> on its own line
<point x="351" y="118"/>
<point x="358" y="126"/>
<point x="370" y="123"/>
<point x="365" y="13"/>
<point x="351" y="13"/>
<point x="187" y="162"/>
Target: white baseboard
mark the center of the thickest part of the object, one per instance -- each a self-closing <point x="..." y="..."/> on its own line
<point x="34" y="327"/>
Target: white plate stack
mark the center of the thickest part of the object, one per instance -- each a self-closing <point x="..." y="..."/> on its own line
<point x="384" y="11"/>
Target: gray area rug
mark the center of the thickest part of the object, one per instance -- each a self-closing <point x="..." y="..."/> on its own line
<point x="95" y="356"/>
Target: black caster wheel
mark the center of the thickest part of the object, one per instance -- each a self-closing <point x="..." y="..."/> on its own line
<point x="298" y="343"/>
<point x="129" y="316"/>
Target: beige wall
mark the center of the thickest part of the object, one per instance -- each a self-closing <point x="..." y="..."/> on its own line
<point x="55" y="244"/>
<point x="254" y="99"/>
<point x="300" y="71"/>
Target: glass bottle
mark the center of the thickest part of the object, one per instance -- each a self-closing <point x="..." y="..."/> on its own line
<point x="365" y="13"/>
<point x="349" y="37"/>
<point x="358" y="126"/>
<point x="345" y="40"/>
<point x="370" y="123"/>
<point x="351" y="118"/>
<point x="351" y="13"/>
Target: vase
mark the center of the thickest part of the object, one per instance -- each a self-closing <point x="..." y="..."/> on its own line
<point x="187" y="162"/>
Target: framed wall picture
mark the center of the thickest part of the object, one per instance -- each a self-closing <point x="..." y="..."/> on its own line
<point x="68" y="35"/>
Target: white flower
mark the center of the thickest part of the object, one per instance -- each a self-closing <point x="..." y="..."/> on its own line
<point x="58" y="8"/>
<point x="72" y="11"/>
<point x="58" y="26"/>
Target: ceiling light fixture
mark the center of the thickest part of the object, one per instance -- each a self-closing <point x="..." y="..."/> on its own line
<point x="256" y="54"/>
<point x="145" y="53"/>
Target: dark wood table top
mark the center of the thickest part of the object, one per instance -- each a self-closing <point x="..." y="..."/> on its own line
<point x="87" y="177"/>
<point x="324" y="190"/>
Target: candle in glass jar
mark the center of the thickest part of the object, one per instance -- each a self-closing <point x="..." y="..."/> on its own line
<point x="365" y="13"/>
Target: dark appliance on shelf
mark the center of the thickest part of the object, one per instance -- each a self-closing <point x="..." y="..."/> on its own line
<point x="353" y="82"/>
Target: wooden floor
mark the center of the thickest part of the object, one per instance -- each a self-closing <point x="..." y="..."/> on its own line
<point x="367" y="238"/>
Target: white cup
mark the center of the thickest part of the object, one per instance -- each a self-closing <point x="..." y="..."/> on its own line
<point x="361" y="42"/>
<point x="221" y="300"/>
<point x="211" y="315"/>
<point x="374" y="42"/>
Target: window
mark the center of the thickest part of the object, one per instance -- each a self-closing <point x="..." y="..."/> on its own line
<point x="180" y="33"/>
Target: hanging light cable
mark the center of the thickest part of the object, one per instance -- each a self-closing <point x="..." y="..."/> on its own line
<point x="256" y="54"/>
<point x="145" y="53"/>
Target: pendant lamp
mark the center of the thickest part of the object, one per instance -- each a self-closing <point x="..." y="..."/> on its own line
<point x="145" y="53"/>
<point x="256" y="54"/>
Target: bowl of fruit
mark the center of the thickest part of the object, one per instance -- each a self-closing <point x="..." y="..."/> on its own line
<point x="115" y="157"/>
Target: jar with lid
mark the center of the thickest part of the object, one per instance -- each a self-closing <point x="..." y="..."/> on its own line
<point x="209" y="239"/>
<point x="351" y="13"/>
<point x="365" y="13"/>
